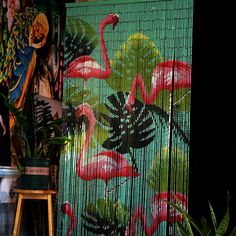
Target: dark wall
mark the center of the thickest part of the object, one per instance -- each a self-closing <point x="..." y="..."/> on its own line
<point x="213" y="123"/>
<point x="5" y="157"/>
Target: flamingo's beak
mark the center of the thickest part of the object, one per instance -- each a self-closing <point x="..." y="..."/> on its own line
<point x="114" y="24"/>
<point x="64" y="207"/>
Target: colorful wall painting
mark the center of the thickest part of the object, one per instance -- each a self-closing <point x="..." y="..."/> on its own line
<point x="31" y="53"/>
<point x="126" y="98"/>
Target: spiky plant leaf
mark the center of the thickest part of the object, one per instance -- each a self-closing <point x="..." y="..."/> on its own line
<point x="222" y="227"/>
<point x="206" y="229"/>
<point x="189" y="221"/>
<point x="181" y="229"/>
<point x="233" y="233"/>
<point x="213" y="217"/>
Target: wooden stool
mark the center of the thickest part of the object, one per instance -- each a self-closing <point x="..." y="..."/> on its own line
<point x="36" y="195"/>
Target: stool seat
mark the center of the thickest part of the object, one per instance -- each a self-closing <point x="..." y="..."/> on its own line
<point x="34" y="195"/>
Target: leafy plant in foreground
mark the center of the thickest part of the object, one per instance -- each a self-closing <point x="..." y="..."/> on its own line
<point x="206" y="229"/>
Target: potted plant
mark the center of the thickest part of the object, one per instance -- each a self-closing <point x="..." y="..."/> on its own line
<point x="190" y="227"/>
<point x="36" y="138"/>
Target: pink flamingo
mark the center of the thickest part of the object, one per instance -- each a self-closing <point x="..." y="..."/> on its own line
<point x="165" y="73"/>
<point x="67" y="210"/>
<point x="159" y="213"/>
<point x="105" y="165"/>
<point x="86" y="67"/>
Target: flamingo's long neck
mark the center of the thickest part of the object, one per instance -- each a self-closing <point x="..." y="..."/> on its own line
<point x="87" y="111"/>
<point x="148" y="99"/>
<point x="139" y="214"/>
<point x="107" y="71"/>
<point x="71" y="226"/>
<point x="72" y="222"/>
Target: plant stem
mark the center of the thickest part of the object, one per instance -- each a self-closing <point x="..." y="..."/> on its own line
<point x="133" y="160"/>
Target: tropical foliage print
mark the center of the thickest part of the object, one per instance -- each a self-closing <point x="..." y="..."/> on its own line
<point x="145" y="128"/>
<point x="127" y="130"/>
<point x="157" y="175"/>
<point x="137" y="55"/>
<point x="80" y="39"/>
<point x="105" y="217"/>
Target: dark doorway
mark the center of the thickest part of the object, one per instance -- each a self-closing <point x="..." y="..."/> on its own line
<point x="213" y="114"/>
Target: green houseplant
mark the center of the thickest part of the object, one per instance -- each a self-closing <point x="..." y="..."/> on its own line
<point x="37" y="139"/>
<point x="190" y="227"/>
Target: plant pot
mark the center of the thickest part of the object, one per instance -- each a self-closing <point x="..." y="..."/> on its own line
<point x="36" y="173"/>
<point x="8" y="180"/>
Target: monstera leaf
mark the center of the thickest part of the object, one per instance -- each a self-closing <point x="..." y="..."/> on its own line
<point x="105" y="217"/>
<point x="137" y="55"/>
<point x="157" y="177"/>
<point x="80" y="39"/>
<point x="127" y="130"/>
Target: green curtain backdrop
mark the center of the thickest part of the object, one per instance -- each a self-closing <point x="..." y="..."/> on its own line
<point x="130" y="123"/>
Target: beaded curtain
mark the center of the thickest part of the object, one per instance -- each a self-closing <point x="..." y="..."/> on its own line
<point x="126" y="101"/>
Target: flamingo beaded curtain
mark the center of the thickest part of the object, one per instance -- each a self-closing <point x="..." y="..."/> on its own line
<point x="126" y="97"/>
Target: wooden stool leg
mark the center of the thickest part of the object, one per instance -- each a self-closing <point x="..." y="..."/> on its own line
<point x="19" y="210"/>
<point x="50" y="215"/>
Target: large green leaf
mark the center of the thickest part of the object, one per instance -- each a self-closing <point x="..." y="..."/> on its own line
<point x="137" y="55"/>
<point x="158" y="175"/>
<point x="100" y="133"/>
<point x="80" y="39"/>
<point x="105" y="217"/>
<point x="76" y="96"/>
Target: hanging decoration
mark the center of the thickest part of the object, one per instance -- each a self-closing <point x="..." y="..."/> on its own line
<point x="126" y="100"/>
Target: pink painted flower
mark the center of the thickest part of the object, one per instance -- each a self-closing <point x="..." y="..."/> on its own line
<point x="12" y="6"/>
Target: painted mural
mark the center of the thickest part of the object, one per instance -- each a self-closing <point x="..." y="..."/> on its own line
<point x="31" y="55"/>
<point x="126" y="100"/>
